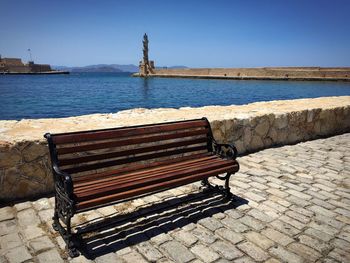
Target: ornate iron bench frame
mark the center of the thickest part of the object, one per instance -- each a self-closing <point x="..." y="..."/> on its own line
<point x="65" y="202"/>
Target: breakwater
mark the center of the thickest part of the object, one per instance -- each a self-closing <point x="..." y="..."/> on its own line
<point x="264" y="73"/>
<point x="24" y="164"/>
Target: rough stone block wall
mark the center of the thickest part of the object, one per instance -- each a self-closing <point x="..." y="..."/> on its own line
<point x="24" y="163"/>
<point x="269" y="72"/>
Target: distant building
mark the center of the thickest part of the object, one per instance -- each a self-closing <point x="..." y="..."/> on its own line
<point x="15" y="65"/>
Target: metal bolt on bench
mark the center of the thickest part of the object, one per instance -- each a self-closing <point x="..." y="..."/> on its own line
<point x="98" y="168"/>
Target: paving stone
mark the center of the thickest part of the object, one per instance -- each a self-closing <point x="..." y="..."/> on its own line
<point x="271" y="212"/>
<point x="60" y="242"/>
<point x="285" y="255"/>
<point x="41" y="204"/>
<point x="204" y="235"/>
<point x="204" y="253"/>
<point x="252" y="222"/>
<point x="329" y="221"/>
<point x="23" y="205"/>
<point x="285" y="228"/>
<point x="83" y="259"/>
<point x="8" y="227"/>
<point x="185" y="237"/>
<point x="343" y="212"/>
<point x="292" y="222"/>
<point x="259" y="239"/>
<point x="244" y="260"/>
<point x="324" y="228"/>
<point x="6" y="213"/>
<point x="257" y="214"/>
<point x="298" y="201"/>
<point x="234" y="224"/>
<point x="253" y="251"/>
<point x="255" y="197"/>
<point x="318" y="234"/>
<point x="277" y="236"/>
<point x="229" y="235"/>
<point x="341" y="244"/>
<point x="227" y="250"/>
<point x="318" y="245"/>
<point x="322" y="203"/>
<point x="297" y="216"/>
<point x="18" y="254"/>
<point x="307" y="253"/>
<point x="49" y="256"/>
<point x="30" y="232"/>
<point x="157" y="235"/>
<point x="41" y="243"/>
<point x="234" y="213"/>
<point x="111" y="258"/>
<point x="28" y="217"/>
<point x="302" y="211"/>
<point x="275" y="206"/>
<point x="149" y="251"/>
<point x="177" y="252"/>
<point x="10" y="241"/>
<point x="46" y="215"/>
<point x="210" y="223"/>
<point x="279" y="201"/>
<point x="344" y="235"/>
<point x="340" y="255"/>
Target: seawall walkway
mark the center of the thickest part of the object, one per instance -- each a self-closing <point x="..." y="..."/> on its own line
<point x="293" y="205"/>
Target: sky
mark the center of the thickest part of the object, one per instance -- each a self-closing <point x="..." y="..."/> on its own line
<point x="217" y="33"/>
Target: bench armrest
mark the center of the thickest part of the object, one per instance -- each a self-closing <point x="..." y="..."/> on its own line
<point x="65" y="180"/>
<point x="225" y="150"/>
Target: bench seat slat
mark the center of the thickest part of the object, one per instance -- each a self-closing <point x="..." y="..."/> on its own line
<point x="125" y="132"/>
<point x="154" y="187"/>
<point x="132" y="159"/>
<point x="165" y="165"/>
<point x="125" y="185"/>
<point x="136" y="176"/>
<point x="130" y="141"/>
<point x="136" y="167"/>
<point x="96" y="157"/>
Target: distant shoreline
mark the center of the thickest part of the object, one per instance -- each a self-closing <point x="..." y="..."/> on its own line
<point x="35" y="73"/>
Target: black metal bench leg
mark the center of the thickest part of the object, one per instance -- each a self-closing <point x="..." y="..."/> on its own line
<point x="72" y="250"/>
<point x="227" y="192"/>
<point x="55" y="217"/>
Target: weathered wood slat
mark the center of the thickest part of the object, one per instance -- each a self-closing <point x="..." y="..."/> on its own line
<point x="133" y="159"/>
<point x="110" y="155"/>
<point x="161" y="167"/>
<point x="130" y="141"/>
<point x="137" y="167"/>
<point x="137" y="176"/>
<point x="150" y="188"/>
<point x="125" y="132"/>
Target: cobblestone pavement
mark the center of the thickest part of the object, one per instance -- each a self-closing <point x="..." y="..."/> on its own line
<point x="293" y="206"/>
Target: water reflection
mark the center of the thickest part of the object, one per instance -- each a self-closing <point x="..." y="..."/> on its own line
<point x="145" y="87"/>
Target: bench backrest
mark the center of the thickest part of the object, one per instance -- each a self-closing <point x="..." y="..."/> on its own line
<point x="86" y="151"/>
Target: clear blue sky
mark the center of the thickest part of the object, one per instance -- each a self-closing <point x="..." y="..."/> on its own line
<point x="193" y="33"/>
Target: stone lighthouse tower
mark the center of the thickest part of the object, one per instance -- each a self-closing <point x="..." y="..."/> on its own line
<point x="146" y="66"/>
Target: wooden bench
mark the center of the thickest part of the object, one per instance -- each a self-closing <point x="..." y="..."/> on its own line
<point x="97" y="168"/>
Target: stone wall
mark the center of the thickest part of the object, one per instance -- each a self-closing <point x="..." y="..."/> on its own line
<point x="24" y="168"/>
<point x="296" y="73"/>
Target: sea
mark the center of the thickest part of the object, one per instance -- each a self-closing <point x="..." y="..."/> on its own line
<point x="55" y="96"/>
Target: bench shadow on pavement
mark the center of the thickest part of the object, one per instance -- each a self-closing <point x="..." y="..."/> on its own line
<point x="111" y="234"/>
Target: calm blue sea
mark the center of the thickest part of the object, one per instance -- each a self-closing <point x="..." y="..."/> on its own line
<point x="85" y="93"/>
